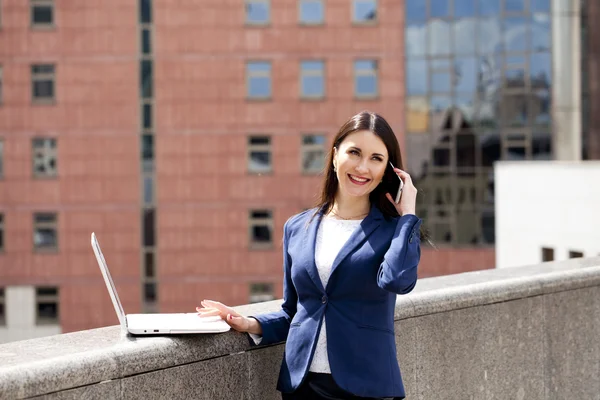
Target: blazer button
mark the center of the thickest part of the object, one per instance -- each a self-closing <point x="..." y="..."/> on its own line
<point x="324" y="299"/>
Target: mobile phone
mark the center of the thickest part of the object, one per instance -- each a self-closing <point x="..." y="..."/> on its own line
<point x="400" y="186"/>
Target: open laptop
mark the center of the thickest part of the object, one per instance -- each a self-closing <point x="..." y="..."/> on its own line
<point x="155" y="324"/>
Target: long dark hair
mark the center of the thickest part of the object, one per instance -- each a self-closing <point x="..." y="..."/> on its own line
<point x="375" y="123"/>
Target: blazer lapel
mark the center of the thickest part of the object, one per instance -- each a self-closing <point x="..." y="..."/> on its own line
<point x="367" y="226"/>
<point x="310" y="241"/>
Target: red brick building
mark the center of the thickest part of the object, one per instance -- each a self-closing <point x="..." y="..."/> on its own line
<point x="184" y="136"/>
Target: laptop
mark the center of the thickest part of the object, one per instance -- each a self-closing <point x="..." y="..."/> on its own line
<point x="155" y="324"/>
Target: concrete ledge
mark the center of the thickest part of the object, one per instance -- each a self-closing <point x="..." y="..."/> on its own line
<point x="452" y="311"/>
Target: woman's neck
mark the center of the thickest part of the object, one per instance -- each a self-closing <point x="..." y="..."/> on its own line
<point x="347" y="207"/>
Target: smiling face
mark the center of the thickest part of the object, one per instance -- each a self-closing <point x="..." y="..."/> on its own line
<point x="360" y="161"/>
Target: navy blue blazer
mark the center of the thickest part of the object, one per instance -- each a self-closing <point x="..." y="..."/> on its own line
<point x="378" y="261"/>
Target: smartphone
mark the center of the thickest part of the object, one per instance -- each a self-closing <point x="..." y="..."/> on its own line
<point x="400" y="186"/>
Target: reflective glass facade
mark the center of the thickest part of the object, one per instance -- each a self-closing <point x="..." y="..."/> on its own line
<point x="478" y="87"/>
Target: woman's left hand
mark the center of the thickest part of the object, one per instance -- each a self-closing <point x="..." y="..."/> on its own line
<point x="408" y="199"/>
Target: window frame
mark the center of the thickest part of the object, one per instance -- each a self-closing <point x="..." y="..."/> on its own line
<point x="37" y="77"/>
<point x="45" y="148"/>
<point x="47" y="298"/>
<point x="3" y="306"/>
<point x="255" y="295"/>
<point x="357" y="73"/>
<point x="307" y="148"/>
<point x="259" y="147"/>
<point x="45" y="225"/>
<point x="260" y="221"/>
<point x="259" y="74"/>
<point x="2" y="233"/>
<point x="42" y="25"/>
<point x="312" y="73"/>
<point x="311" y="23"/>
<point x="357" y="22"/>
<point x="257" y="24"/>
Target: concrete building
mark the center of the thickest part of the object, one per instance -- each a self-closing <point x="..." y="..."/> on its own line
<point x="546" y="211"/>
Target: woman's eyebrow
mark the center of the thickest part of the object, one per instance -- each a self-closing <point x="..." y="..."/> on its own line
<point x="358" y="148"/>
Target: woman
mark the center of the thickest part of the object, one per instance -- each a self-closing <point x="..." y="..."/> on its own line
<point x="344" y="263"/>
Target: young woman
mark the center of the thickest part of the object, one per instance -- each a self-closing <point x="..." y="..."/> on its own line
<point x="344" y="263"/>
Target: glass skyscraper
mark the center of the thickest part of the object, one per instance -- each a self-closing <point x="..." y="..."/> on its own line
<point x="478" y="90"/>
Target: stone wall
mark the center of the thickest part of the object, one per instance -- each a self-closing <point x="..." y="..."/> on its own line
<point x="515" y="333"/>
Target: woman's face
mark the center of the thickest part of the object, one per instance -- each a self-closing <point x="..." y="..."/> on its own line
<point x="360" y="161"/>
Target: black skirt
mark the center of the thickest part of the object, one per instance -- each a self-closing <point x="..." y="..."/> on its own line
<point x="318" y="386"/>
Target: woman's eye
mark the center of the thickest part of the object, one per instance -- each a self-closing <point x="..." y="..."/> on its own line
<point x="377" y="158"/>
<point x="353" y="152"/>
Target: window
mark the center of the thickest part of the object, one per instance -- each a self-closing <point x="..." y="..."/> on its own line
<point x="547" y="254"/>
<point x="312" y="81"/>
<point x="150" y="292"/>
<point x="365" y="78"/>
<point x="2" y="308"/>
<point x="45" y="231"/>
<point x="258" y="79"/>
<point x="313" y="153"/>
<point x="146" y="82"/>
<point x="145" y="11"/>
<point x="44" y="157"/>
<point x="261" y="229"/>
<point x="42" y="83"/>
<point x="311" y="12"/>
<point x="148" y="153"/>
<point x="258" y="12"/>
<point x="1" y="158"/>
<point x="259" y="154"/>
<point x="260" y="292"/>
<point x="46" y="299"/>
<point x="0" y="84"/>
<point x="575" y="254"/>
<point x="1" y="232"/>
<point x="42" y="13"/>
<point x="364" y="11"/>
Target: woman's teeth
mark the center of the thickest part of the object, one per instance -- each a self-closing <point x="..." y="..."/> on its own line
<point x="358" y="180"/>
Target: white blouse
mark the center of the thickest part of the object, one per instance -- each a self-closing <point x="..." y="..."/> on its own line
<point x="332" y="235"/>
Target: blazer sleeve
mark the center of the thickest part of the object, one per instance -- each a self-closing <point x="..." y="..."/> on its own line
<point x="276" y="325"/>
<point x="398" y="271"/>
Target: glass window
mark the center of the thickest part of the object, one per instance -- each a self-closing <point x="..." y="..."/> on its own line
<point x="47" y="305"/>
<point x="464" y="8"/>
<point x="149" y="268"/>
<point x="312" y="80"/>
<point x="261" y="229"/>
<point x="516" y="34"/>
<point x="0" y="84"/>
<point x="441" y="82"/>
<point x="415" y="40"/>
<point x="44" y="156"/>
<point x="541" y="33"/>
<point x="150" y="295"/>
<point x="147" y="116"/>
<point x="312" y="12"/>
<point x="42" y="82"/>
<point x="1" y="232"/>
<point x="145" y="11"/>
<point x="439" y="38"/>
<point x="515" y="109"/>
<point x="45" y="231"/>
<point x="146" y="84"/>
<point x="416" y="10"/>
<point x="517" y="6"/>
<point x="489" y="7"/>
<point x="258" y="79"/>
<point x="146" y="41"/>
<point x="416" y="76"/>
<point x="42" y="13"/>
<point x="540" y="5"/>
<point x="417" y="118"/>
<point x="439" y="8"/>
<point x="148" y="221"/>
<point x="464" y="33"/>
<point x="148" y="190"/>
<point x="489" y="35"/>
<point x="258" y="12"/>
<point x="260" y="292"/>
<point x="259" y="154"/>
<point x="148" y="152"/>
<point x="365" y="78"/>
<point x="313" y="153"/>
<point x="540" y="69"/>
<point x="1" y="158"/>
<point x="540" y="107"/>
<point x="2" y="310"/>
<point x="466" y="74"/>
<point x="364" y="11"/>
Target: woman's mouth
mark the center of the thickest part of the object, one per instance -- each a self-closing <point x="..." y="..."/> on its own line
<point x="357" y="180"/>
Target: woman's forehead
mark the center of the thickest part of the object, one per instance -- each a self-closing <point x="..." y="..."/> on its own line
<point x="366" y="140"/>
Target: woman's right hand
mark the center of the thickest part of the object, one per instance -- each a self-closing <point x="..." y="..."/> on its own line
<point x="234" y="319"/>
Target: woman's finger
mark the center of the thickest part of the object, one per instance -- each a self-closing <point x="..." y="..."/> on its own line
<point x="402" y="174"/>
